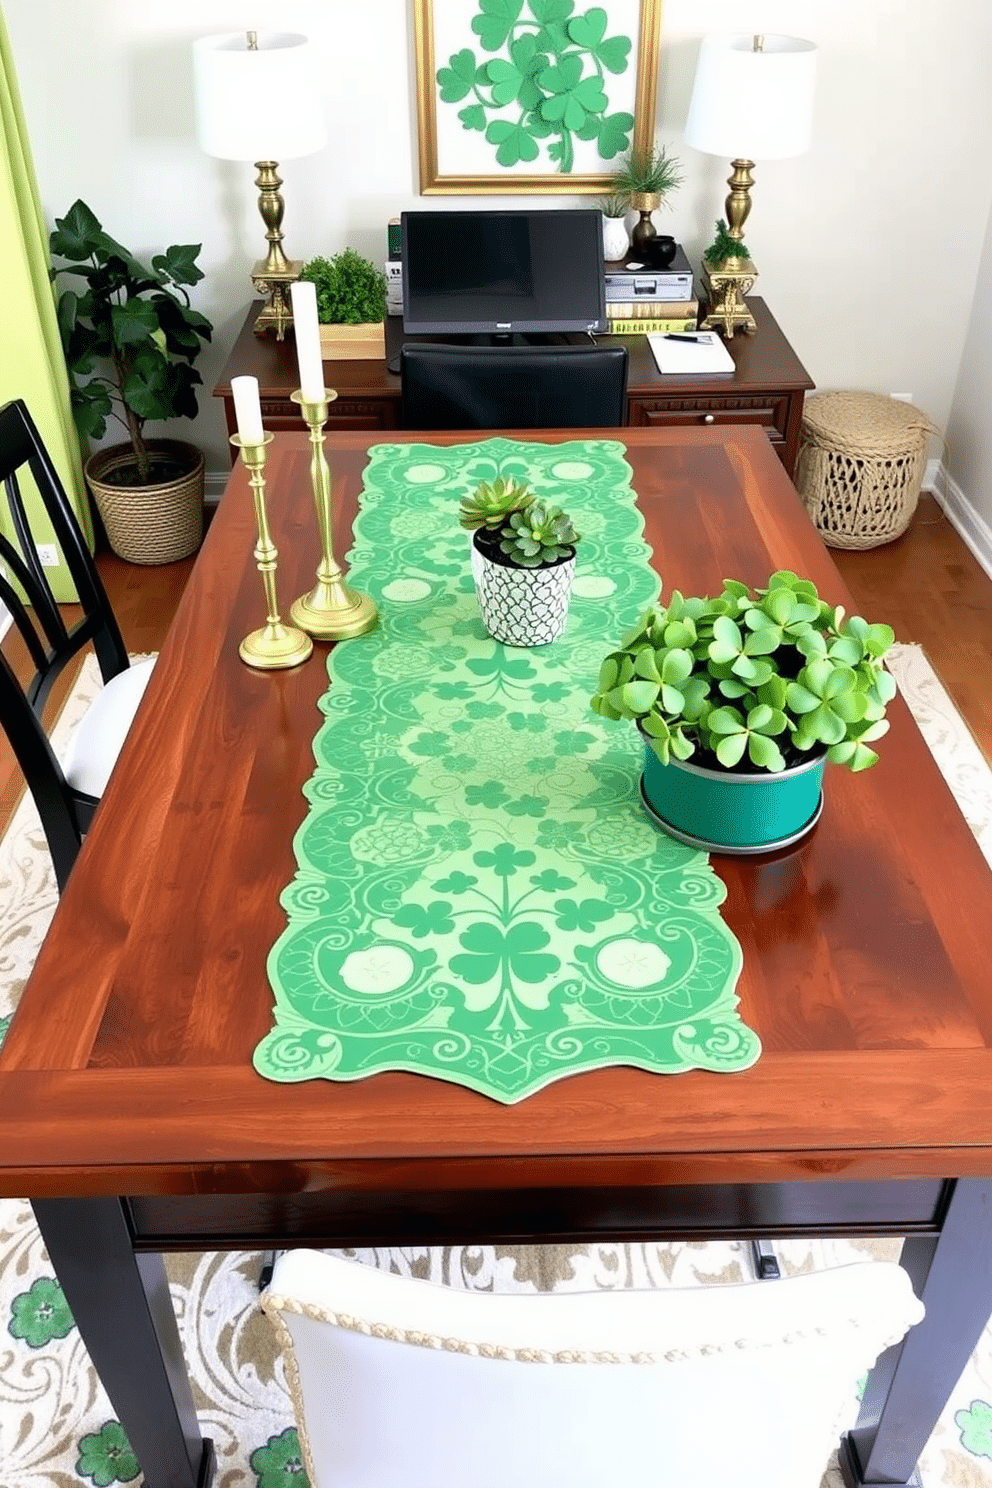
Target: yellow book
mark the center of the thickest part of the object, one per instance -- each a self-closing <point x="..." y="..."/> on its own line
<point x="644" y="327"/>
<point x="651" y="309"/>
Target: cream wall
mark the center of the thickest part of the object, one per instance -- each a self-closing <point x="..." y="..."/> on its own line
<point x="967" y="490"/>
<point x="869" y="247"/>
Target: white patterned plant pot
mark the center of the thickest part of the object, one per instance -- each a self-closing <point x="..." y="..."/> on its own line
<point x="523" y="606"/>
<point x="616" y="239"/>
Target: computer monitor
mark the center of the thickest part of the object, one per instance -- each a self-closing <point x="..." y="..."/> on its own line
<point x="503" y="273"/>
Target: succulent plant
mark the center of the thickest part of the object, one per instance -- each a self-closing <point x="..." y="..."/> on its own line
<point x="538" y="535"/>
<point x="773" y="674"/>
<point x="492" y="504"/>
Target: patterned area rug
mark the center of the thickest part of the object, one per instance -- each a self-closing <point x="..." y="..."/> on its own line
<point x="57" y="1428"/>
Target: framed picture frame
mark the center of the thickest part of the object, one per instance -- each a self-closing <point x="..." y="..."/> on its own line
<point x="532" y="96"/>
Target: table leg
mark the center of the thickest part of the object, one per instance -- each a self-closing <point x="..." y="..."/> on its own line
<point x="124" y="1313"/>
<point x="911" y="1383"/>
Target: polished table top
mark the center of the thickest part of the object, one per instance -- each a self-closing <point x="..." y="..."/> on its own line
<point x="127" y="1069"/>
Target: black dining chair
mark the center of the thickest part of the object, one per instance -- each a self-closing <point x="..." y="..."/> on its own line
<point x="513" y="387"/>
<point x="67" y="793"/>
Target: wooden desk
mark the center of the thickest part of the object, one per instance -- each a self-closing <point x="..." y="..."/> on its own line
<point x="767" y="389"/>
<point x="133" y="1118"/>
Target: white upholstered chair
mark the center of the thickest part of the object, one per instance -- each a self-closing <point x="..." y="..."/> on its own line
<point x="400" y="1383"/>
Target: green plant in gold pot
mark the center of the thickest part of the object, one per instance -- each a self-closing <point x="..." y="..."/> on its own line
<point x="645" y="179"/>
<point x="742" y="699"/>
<point x="130" y="338"/>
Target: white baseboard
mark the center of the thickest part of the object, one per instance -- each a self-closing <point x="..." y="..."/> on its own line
<point x="213" y="487"/>
<point x="969" y="524"/>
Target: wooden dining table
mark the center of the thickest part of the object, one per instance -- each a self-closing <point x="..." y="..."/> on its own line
<point x="133" y="1118"/>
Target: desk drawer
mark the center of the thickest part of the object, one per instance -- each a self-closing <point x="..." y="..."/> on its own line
<point x="337" y="1215"/>
<point x="281" y="414"/>
<point x="769" y="411"/>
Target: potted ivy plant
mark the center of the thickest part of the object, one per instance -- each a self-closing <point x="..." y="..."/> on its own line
<point x="523" y="561"/>
<point x="351" y="305"/>
<point x="741" y="700"/>
<point x="130" y="339"/>
<point x="645" y="179"/>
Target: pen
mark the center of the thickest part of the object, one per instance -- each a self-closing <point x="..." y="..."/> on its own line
<point x="675" y="336"/>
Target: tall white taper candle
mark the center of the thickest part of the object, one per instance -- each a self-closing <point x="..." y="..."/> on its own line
<point x="304" y="298"/>
<point x="247" y="409"/>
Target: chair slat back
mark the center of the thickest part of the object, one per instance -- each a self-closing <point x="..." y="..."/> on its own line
<point x="50" y="642"/>
<point x="25" y="588"/>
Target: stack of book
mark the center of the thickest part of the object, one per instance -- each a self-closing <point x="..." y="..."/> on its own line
<point x="641" y="301"/>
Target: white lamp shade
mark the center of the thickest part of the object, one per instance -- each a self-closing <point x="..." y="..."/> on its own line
<point x="261" y="104"/>
<point x="752" y="105"/>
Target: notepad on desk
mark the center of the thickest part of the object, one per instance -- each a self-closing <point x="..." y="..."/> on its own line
<point x="695" y="351"/>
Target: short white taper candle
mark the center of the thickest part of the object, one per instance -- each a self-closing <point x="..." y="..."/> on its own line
<point x="247" y="409"/>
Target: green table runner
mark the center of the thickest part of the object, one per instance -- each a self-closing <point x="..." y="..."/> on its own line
<point x="480" y="896"/>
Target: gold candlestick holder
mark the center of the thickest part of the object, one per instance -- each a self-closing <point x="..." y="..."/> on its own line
<point x="332" y="611"/>
<point x="273" y="645"/>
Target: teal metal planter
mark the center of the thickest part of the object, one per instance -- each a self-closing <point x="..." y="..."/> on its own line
<point x="724" y="811"/>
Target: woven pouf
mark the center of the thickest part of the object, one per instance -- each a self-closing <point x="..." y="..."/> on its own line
<point x="860" y="466"/>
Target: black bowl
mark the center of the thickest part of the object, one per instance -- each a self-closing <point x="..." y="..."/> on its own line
<point x="659" y="251"/>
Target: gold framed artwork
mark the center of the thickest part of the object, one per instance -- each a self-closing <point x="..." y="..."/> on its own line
<point x="527" y="96"/>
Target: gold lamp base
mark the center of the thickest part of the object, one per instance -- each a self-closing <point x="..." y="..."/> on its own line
<point x="277" y="312"/>
<point x="730" y="279"/>
<point x="726" y="284"/>
<point x="275" y="646"/>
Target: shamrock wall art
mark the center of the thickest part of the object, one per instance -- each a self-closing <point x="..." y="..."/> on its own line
<point x="532" y="95"/>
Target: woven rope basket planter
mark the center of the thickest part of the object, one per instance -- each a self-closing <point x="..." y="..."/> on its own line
<point x="860" y="466"/>
<point x="150" y="524"/>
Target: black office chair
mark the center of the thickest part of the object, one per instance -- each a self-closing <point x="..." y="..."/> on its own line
<point x="65" y="797"/>
<point x="513" y="387"/>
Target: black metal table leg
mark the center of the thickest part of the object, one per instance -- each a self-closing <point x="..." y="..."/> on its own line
<point x="911" y="1383"/>
<point x="125" y="1317"/>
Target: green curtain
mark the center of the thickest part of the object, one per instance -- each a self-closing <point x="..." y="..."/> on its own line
<point x="32" y="365"/>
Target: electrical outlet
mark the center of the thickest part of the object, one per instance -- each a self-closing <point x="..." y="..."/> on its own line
<point x="902" y="397"/>
<point x="49" y="555"/>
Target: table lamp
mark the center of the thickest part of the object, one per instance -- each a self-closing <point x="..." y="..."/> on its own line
<point x="257" y="98"/>
<point x="752" y="99"/>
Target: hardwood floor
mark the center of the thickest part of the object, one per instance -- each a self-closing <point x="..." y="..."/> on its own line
<point x="926" y="584"/>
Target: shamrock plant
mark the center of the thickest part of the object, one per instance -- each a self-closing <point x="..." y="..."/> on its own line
<point x="752" y="679"/>
<point x="545" y="83"/>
